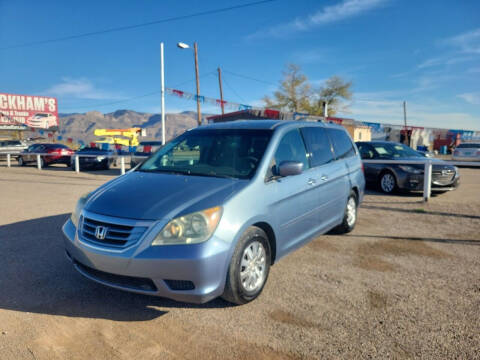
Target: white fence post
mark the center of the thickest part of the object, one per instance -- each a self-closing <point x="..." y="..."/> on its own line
<point x="77" y="164"/>
<point x="39" y="165"/>
<point x="122" y="164"/>
<point x="8" y="160"/>
<point x="427" y="180"/>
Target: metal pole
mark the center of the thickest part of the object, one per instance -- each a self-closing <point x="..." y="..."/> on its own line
<point x="221" y="89"/>
<point x="77" y="164"/>
<point x="427" y="180"/>
<point x="122" y="165"/>
<point x="199" y="114"/>
<point x="39" y="166"/>
<point x="405" y="114"/>
<point x="8" y="160"/>
<point x="162" y="75"/>
<point x="325" y="110"/>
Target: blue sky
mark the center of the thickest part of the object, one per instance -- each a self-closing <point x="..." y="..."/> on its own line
<point x="424" y="52"/>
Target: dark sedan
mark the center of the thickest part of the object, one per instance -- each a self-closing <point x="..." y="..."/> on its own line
<point x="391" y="177"/>
<point x="95" y="159"/>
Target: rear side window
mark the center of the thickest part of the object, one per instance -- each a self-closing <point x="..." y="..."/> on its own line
<point x="291" y="148"/>
<point x="342" y="145"/>
<point x="318" y="145"/>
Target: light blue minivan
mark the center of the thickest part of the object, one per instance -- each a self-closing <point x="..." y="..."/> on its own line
<point x="211" y="211"/>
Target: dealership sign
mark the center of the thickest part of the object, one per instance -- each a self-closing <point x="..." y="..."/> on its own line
<point x="27" y="110"/>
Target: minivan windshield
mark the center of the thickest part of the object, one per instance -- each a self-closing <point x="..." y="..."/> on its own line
<point x="230" y="153"/>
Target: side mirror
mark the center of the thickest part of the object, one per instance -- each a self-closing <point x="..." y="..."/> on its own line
<point x="289" y="168"/>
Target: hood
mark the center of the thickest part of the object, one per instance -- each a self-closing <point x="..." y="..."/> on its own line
<point x="154" y="196"/>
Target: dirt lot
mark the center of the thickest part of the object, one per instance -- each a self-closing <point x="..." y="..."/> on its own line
<point x="404" y="284"/>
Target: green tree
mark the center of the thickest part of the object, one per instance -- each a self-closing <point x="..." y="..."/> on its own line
<point x="293" y="94"/>
<point x="333" y="93"/>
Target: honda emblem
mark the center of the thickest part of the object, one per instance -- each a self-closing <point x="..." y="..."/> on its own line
<point x="101" y="232"/>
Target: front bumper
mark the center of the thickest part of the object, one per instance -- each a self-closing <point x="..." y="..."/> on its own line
<point x="136" y="268"/>
<point x="413" y="182"/>
<point x="465" y="158"/>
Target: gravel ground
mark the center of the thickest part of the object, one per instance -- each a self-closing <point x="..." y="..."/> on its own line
<point x="404" y="284"/>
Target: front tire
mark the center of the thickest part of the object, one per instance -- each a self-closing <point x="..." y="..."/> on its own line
<point x="388" y="183"/>
<point x="350" y="216"/>
<point x="249" y="267"/>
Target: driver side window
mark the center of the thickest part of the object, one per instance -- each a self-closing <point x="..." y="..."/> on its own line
<point x="290" y="148"/>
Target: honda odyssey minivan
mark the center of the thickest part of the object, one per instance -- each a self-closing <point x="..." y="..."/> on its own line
<point x="211" y="211"/>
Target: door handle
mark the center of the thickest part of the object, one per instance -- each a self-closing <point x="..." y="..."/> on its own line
<point x="324" y="178"/>
<point x="311" y="182"/>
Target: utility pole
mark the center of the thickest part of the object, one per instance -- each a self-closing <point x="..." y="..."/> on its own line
<point x="199" y="114"/>
<point x="162" y="79"/>
<point x="325" y="111"/>
<point x="221" y="89"/>
<point x="405" y="114"/>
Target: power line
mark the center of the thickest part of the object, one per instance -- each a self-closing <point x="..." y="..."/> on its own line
<point x="129" y="27"/>
<point x="233" y="90"/>
<point x="250" y="78"/>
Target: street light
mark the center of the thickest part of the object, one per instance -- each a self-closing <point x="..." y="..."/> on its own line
<point x="182" y="45"/>
<point x="162" y="79"/>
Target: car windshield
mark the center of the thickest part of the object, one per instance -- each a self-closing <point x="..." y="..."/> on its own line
<point x="232" y="153"/>
<point x="41" y="115"/>
<point x="394" y="150"/>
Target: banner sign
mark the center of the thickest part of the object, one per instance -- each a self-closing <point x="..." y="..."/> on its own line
<point x="33" y="111"/>
<point x="207" y="100"/>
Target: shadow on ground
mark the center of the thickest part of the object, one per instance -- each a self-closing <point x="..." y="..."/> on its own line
<point x="422" y="239"/>
<point x="37" y="277"/>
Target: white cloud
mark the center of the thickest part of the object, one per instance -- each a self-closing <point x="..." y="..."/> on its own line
<point x="471" y="98"/>
<point x="329" y="14"/>
<point x="81" y="88"/>
<point x="468" y="42"/>
<point x="444" y="60"/>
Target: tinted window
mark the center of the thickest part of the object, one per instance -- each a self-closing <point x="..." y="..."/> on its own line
<point x="291" y="148"/>
<point x="318" y="145"/>
<point x="366" y="151"/>
<point x="468" y="146"/>
<point x="216" y="152"/>
<point x="342" y="145"/>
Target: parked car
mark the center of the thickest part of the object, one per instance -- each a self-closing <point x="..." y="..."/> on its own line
<point x="467" y="152"/>
<point x="102" y="160"/>
<point x="144" y="149"/>
<point x="13" y="147"/>
<point x="392" y="177"/>
<point x="57" y="154"/>
<point x="42" y="120"/>
<point x="211" y="211"/>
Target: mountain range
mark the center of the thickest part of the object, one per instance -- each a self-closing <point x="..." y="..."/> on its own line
<point x="81" y="126"/>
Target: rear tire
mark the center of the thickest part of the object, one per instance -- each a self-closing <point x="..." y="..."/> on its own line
<point x="350" y="216"/>
<point x="249" y="267"/>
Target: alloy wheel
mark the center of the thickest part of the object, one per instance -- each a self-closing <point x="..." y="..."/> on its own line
<point x="252" y="266"/>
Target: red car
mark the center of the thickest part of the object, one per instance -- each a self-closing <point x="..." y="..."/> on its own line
<point x="53" y="154"/>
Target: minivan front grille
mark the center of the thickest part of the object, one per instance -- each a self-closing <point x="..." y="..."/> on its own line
<point x="110" y="234"/>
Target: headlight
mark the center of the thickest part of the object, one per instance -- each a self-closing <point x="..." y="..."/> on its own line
<point x="78" y="208"/>
<point x="410" y="169"/>
<point x="190" y="229"/>
<point x="100" y="158"/>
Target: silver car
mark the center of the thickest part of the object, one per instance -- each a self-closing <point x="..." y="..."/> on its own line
<point x="467" y="152"/>
<point x="212" y="210"/>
